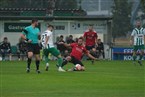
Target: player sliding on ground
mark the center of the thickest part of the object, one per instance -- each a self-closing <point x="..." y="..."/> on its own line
<point x="137" y="40"/>
<point x="78" y="49"/>
<point x="48" y="47"/>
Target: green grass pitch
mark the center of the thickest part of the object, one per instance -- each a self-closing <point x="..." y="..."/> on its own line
<point x="103" y="79"/>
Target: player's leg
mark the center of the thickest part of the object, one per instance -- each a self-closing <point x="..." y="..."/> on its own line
<point x="18" y="54"/>
<point x="76" y="61"/>
<point x="103" y="54"/>
<point x="37" y="62"/>
<point x="10" y="55"/>
<point x="141" y="54"/>
<point x="30" y="55"/>
<point x="135" y="48"/>
<point x="41" y="54"/>
<point x="46" y="53"/>
<point x="3" y="54"/>
<point x="66" y="60"/>
<point x="23" y="53"/>
<point x="57" y="54"/>
<point x="37" y="57"/>
<point x="93" y="52"/>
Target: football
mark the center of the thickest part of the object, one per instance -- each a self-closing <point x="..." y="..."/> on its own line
<point x="78" y="67"/>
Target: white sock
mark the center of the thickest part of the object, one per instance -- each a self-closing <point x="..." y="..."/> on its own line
<point x="47" y="64"/>
<point x="59" y="68"/>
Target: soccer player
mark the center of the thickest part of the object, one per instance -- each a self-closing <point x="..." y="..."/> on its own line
<point x="32" y="35"/>
<point x="48" y="47"/>
<point x="90" y="37"/>
<point x="137" y="40"/>
<point x="78" y="50"/>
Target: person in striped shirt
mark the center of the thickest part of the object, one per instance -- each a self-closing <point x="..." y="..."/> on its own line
<point x="137" y="40"/>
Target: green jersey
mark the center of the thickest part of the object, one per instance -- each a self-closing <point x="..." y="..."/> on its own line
<point x="138" y="35"/>
<point x="32" y="33"/>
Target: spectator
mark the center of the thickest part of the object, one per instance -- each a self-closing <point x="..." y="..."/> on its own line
<point x="5" y="48"/>
<point x="76" y="40"/>
<point x="100" y="48"/>
<point x="61" y="47"/>
<point x="22" y="48"/>
<point x="91" y="38"/>
<point x="70" y="39"/>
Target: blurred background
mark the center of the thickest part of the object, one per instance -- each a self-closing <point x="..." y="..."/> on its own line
<point x="113" y="20"/>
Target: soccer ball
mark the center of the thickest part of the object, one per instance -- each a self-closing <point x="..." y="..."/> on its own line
<point x="78" y="67"/>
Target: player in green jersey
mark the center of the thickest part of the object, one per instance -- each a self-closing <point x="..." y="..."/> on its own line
<point x="48" y="47"/>
<point x="137" y="40"/>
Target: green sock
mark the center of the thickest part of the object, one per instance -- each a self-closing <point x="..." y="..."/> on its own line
<point x="60" y="60"/>
<point x="140" y="57"/>
<point x="46" y="59"/>
<point x="134" y="58"/>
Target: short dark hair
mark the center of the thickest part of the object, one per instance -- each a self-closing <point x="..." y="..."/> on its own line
<point x="91" y="25"/>
<point x="50" y="26"/>
<point x="61" y="36"/>
<point x="5" y="38"/>
<point x="70" y="36"/>
<point x="99" y="39"/>
<point x="34" y="20"/>
<point x="81" y="38"/>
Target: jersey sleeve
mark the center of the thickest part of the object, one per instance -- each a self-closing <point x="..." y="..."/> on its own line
<point x="133" y="33"/>
<point x="25" y="31"/>
<point x="96" y="35"/>
<point x="85" y="50"/>
<point x="72" y="45"/>
<point x="85" y="34"/>
<point x="144" y="31"/>
<point x="49" y="33"/>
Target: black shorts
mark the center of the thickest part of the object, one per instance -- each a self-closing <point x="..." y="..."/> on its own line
<point x="90" y="47"/>
<point x="35" y="48"/>
<point x="76" y="61"/>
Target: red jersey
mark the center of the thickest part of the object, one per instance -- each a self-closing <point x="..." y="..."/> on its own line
<point x="90" y="38"/>
<point x="77" y="51"/>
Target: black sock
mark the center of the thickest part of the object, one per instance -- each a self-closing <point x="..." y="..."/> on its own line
<point x="64" y="63"/>
<point x="103" y="55"/>
<point x="37" y="64"/>
<point x="28" y="63"/>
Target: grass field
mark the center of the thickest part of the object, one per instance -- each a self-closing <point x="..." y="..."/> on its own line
<point x="103" y="79"/>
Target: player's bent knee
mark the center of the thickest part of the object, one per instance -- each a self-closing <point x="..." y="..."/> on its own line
<point x="37" y="57"/>
<point x="30" y="54"/>
<point x="68" y="58"/>
<point x="59" y="56"/>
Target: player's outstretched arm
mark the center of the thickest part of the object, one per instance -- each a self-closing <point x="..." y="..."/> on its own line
<point x="90" y="56"/>
<point x="65" y="44"/>
<point x="23" y="36"/>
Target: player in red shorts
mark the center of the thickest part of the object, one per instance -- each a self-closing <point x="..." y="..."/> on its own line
<point x="90" y="37"/>
<point x="78" y="50"/>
